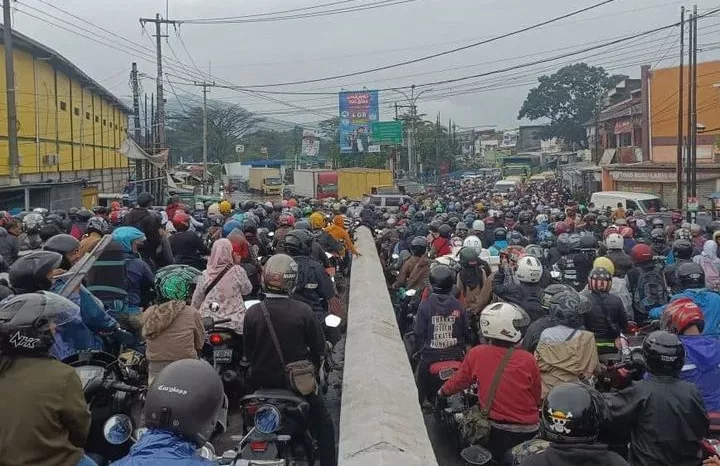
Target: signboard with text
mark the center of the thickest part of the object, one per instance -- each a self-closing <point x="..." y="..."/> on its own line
<point x="387" y="132"/>
<point x="358" y="110"/>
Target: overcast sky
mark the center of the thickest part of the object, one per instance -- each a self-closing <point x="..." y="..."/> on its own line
<point x="262" y="53"/>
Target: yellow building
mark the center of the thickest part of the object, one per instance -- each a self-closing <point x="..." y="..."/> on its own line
<point x="69" y="130"/>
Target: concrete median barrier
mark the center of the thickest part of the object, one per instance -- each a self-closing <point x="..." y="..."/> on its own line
<point x="380" y="419"/>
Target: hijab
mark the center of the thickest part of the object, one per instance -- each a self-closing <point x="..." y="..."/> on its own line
<point x="221" y="258"/>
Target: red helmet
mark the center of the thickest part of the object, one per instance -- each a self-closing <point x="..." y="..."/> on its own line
<point x="641" y="253"/>
<point x="609" y="231"/>
<point x="676" y="217"/>
<point x="683" y="314"/>
<point x="181" y="220"/>
<point x="600" y="280"/>
<point x="627" y="232"/>
<point x="561" y="227"/>
<point x="286" y="218"/>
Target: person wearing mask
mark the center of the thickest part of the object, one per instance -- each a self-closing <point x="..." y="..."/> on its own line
<point x="565" y="352"/>
<point x="187" y="247"/>
<point x="571" y="418"/>
<point x="702" y="352"/>
<point x="97" y="227"/>
<point x="440" y="245"/>
<point x="9" y="246"/>
<point x="415" y="271"/>
<point x="178" y="425"/>
<point x="148" y="222"/>
<point x="279" y="331"/>
<point x="442" y="329"/>
<point x="682" y="252"/>
<point x="500" y="241"/>
<point x="224" y="282"/>
<point x="286" y="223"/>
<point x="710" y="264"/>
<point x="172" y="329"/>
<point x="45" y="417"/>
<point x="666" y="415"/>
<point x="531" y="337"/>
<point x="606" y="317"/>
<point x="140" y="277"/>
<point x="527" y="292"/>
<point x="513" y="404"/>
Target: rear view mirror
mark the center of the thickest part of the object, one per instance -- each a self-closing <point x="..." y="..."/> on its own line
<point x="332" y="321"/>
<point x="395" y="257"/>
<point x="215" y="307"/>
<point x="410" y="293"/>
<point x="271" y="234"/>
<point x="555" y="274"/>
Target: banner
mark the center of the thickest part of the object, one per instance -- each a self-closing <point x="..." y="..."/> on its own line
<point x="310" y="144"/>
<point x="358" y="109"/>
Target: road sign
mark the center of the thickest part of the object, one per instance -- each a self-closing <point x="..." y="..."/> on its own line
<point x="386" y="132"/>
<point x="374" y="149"/>
<point x="239" y="148"/>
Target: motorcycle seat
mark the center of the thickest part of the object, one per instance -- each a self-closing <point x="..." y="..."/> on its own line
<point x="276" y="393"/>
<point x="438" y="367"/>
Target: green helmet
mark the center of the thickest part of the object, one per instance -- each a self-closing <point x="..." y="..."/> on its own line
<point x="468" y="257"/>
<point x="176" y="282"/>
<point x="307" y="211"/>
<point x="439" y="209"/>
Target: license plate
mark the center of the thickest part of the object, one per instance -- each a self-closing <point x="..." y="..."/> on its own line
<point x="222" y="355"/>
<point x="445" y="374"/>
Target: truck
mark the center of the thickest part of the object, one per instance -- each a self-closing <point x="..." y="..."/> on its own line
<point x="317" y="184"/>
<point x="354" y="183"/>
<point x="265" y="181"/>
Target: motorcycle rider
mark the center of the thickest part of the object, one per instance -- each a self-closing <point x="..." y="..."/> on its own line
<point x="30" y="239"/>
<point x="565" y="352"/>
<point x="531" y="337"/>
<point x="97" y="227"/>
<point x="45" y="418"/>
<point x="9" y="247"/>
<point x="614" y="244"/>
<point x="514" y="411"/>
<point x="645" y="282"/>
<point x="473" y="282"/>
<point x="441" y="328"/>
<point x="682" y="252"/>
<point x="606" y="317"/>
<point x="140" y="277"/>
<point x="148" y="222"/>
<point x="300" y="337"/>
<point x="500" y="243"/>
<point x="173" y="330"/>
<point x="178" y="424"/>
<point x="316" y="250"/>
<point x="440" y="245"/>
<point x="571" y="419"/>
<point x="415" y="271"/>
<point x="286" y="223"/>
<point x="187" y="247"/>
<point x="527" y="293"/>
<point x="666" y="415"/>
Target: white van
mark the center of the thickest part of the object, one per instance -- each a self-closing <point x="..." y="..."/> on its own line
<point x="506" y="186"/>
<point x="639" y="202"/>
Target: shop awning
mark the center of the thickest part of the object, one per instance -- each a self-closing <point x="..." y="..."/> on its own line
<point x="607" y="157"/>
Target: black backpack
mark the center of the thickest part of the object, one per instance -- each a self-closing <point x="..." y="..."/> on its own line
<point x="650" y="292"/>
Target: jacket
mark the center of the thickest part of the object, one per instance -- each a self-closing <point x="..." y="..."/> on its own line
<point x="575" y="454"/>
<point x="172" y="331"/>
<point x="475" y="299"/>
<point x="606" y="318"/>
<point x="298" y="332"/>
<point x="187" y="246"/>
<point x="566" y="360"/>
<point x="667" y="421"/>
<point x="709" y="303"/>
<point x="161" y="448"/>
<point x="228" y="293"/>
<point x="88" y="242"/>
<point x="414" y="273"/>
<point x="702" y="368"/>
<point x="518" y="395"/>
<point x="440" y="247"/>
<point x="314" y="286"/>
<point x="532" y="334"/>
<point x="341" y="235"/>
<point x="442" y="328"/>
<point x="9" y="248"/>
<point x="527" y="296"/>
<point x="45" y="420"/>
<point x="148" y="222"/>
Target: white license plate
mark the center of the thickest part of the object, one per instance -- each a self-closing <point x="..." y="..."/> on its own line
<point x="445" y="374"/>
<point x="222" y="355"/>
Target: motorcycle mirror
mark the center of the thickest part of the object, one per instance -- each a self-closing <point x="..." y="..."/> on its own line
<point x="476" y="455"/>
<point x="395" y="256"/>
<point x="207" y="451"/>
<point x="328" y="255"/>
<point x="332" y="321"/>
<point x="251" y="303"/>
<point x="271" y="234"/>
<point x="555" y="274"/>
<point x="118" y="429"/>
<point x="410" y="293"/>
<point x="215" y="307"/>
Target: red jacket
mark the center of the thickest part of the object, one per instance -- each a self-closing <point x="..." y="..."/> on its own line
<point x="517" y="397"/>
<point x="442" y="247"/>
<point x="171" y="209"/>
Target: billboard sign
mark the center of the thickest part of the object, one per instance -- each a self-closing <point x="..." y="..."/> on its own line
<point x="310" y="143"/>
<point x="358" y="109"/>
<point x="387" y="132"/>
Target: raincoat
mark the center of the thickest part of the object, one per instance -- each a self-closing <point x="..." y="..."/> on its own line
<point x="497" y="247"/>
<point x="161" y="448"/>
<point x="709" y="303"/>
<point x="139" y="275"/>
<point x="710" y="264"/>
<point x="702" y="368"/>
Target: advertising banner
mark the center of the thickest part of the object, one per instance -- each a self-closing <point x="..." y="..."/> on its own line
<point x="310" y="144"/>
<point x="358" y="109"/>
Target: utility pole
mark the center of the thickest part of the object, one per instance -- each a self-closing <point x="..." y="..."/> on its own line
<point x="688" y="139"/>
<point x="681" y="91"/>
<point x="136" y="117"/>
<point x="437" y="151"/>
<point x="13" y="155"/>
<point x="205" y="86"/>
<point x="693" y="87"/>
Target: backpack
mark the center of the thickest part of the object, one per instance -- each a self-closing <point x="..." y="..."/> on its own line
<point x="712" y="277"/>
<point x="650" y="292"/>
<point x="329" y="243"/>
<point x="107" y="278"/>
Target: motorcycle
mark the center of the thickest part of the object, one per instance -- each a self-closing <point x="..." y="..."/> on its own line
<point x="114" y="395"/>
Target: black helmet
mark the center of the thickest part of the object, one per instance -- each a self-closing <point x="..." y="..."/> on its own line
<point x="84" y="215"/>
<point x="525" y="217"/>
<point x="468" y="257"/>
<point x="98" y="225"/>
<point x="535" y="251"/>
<point x="560" y="217"/>
<point x="442" y="279"/>
<point x="570" y="414"/>
<point x="25" y="321"/>
<point x="280" y="274"/>
<point x="249" y="226"/>
<point x="664" y="353"/>
<point x="62" y="244"/>
<point x="445" y="231"/>
<point x="564" y="243"/>
<point x="588" y="242"/>
<point x="298" y="242"/>
<point x="434" y="226"/>
<point x="689" y="275"/>
<point x="569" y="308"/>
<point x="682" y="249"/>
<point x="30" y="273"/>
<point x="418" y="246"/>
<point x="515" y="238"/>
<point x="551" y="291"/>
<point x="302" y="225"/>
<point x="185" y="398"/>
<point x="500" y="234"/>
<point x="658" y="235"/>
<point x="419" y="217"/>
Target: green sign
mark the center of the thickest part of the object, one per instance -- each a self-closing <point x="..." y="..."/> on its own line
<point x="386" y="132"/>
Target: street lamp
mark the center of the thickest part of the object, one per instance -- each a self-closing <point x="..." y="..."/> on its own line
<point x="412" y="100"/>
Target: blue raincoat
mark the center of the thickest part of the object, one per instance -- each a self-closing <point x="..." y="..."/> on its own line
<point x="161" y="448"/>
<point x="709" y="303"/>
<point x="497" y="247"/>
<point x="702" y="368"/>
<point x="139" y="274"/>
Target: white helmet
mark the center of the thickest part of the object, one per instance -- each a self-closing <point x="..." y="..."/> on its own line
<point x="213" y="209"/>
<point x="504" y="321"/>
<point x="478" y="225"/>
<point x="474" y="242"/>
<point x="614" y="241"/>
<point x="529" y="270"/>
<point x="541" y="218"/>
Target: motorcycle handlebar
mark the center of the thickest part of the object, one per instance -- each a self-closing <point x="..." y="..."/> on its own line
<point x="123" y="387"/>
<point x="221" y="321"/>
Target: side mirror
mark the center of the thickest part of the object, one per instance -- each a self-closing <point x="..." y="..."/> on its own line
<point x="215" y="307"/>
<point x="328" y="255"/>
<point x="395" y="257"/>
<point x="555" y="274"/>
<point x="332" y="321"/>
<point x="271" y="234"/>
<point x="118" y="429"/>
<point x="250" y="303"/>
<point x="411" y="293"/>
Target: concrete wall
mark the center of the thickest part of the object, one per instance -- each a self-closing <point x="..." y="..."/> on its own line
<point x="380" y="419"/>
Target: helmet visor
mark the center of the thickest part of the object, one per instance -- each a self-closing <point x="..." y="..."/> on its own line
<point x="59" y="310"/>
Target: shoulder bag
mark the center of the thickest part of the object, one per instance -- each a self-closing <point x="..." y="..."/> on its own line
<point x="475" y="425"/>
<point x="299" y="375"/>
<point x="215" y="281"/>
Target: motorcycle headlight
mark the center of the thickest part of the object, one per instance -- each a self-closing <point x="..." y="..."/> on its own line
<point x="267" y="419"/>
<point x="88" y="373"/>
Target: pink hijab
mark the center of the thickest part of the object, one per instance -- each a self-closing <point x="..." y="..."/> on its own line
<point x="221" y="258"/>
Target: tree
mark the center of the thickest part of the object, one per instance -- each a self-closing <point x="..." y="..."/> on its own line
<point x="569" y="98"/>
<point x="227" y="126"/>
